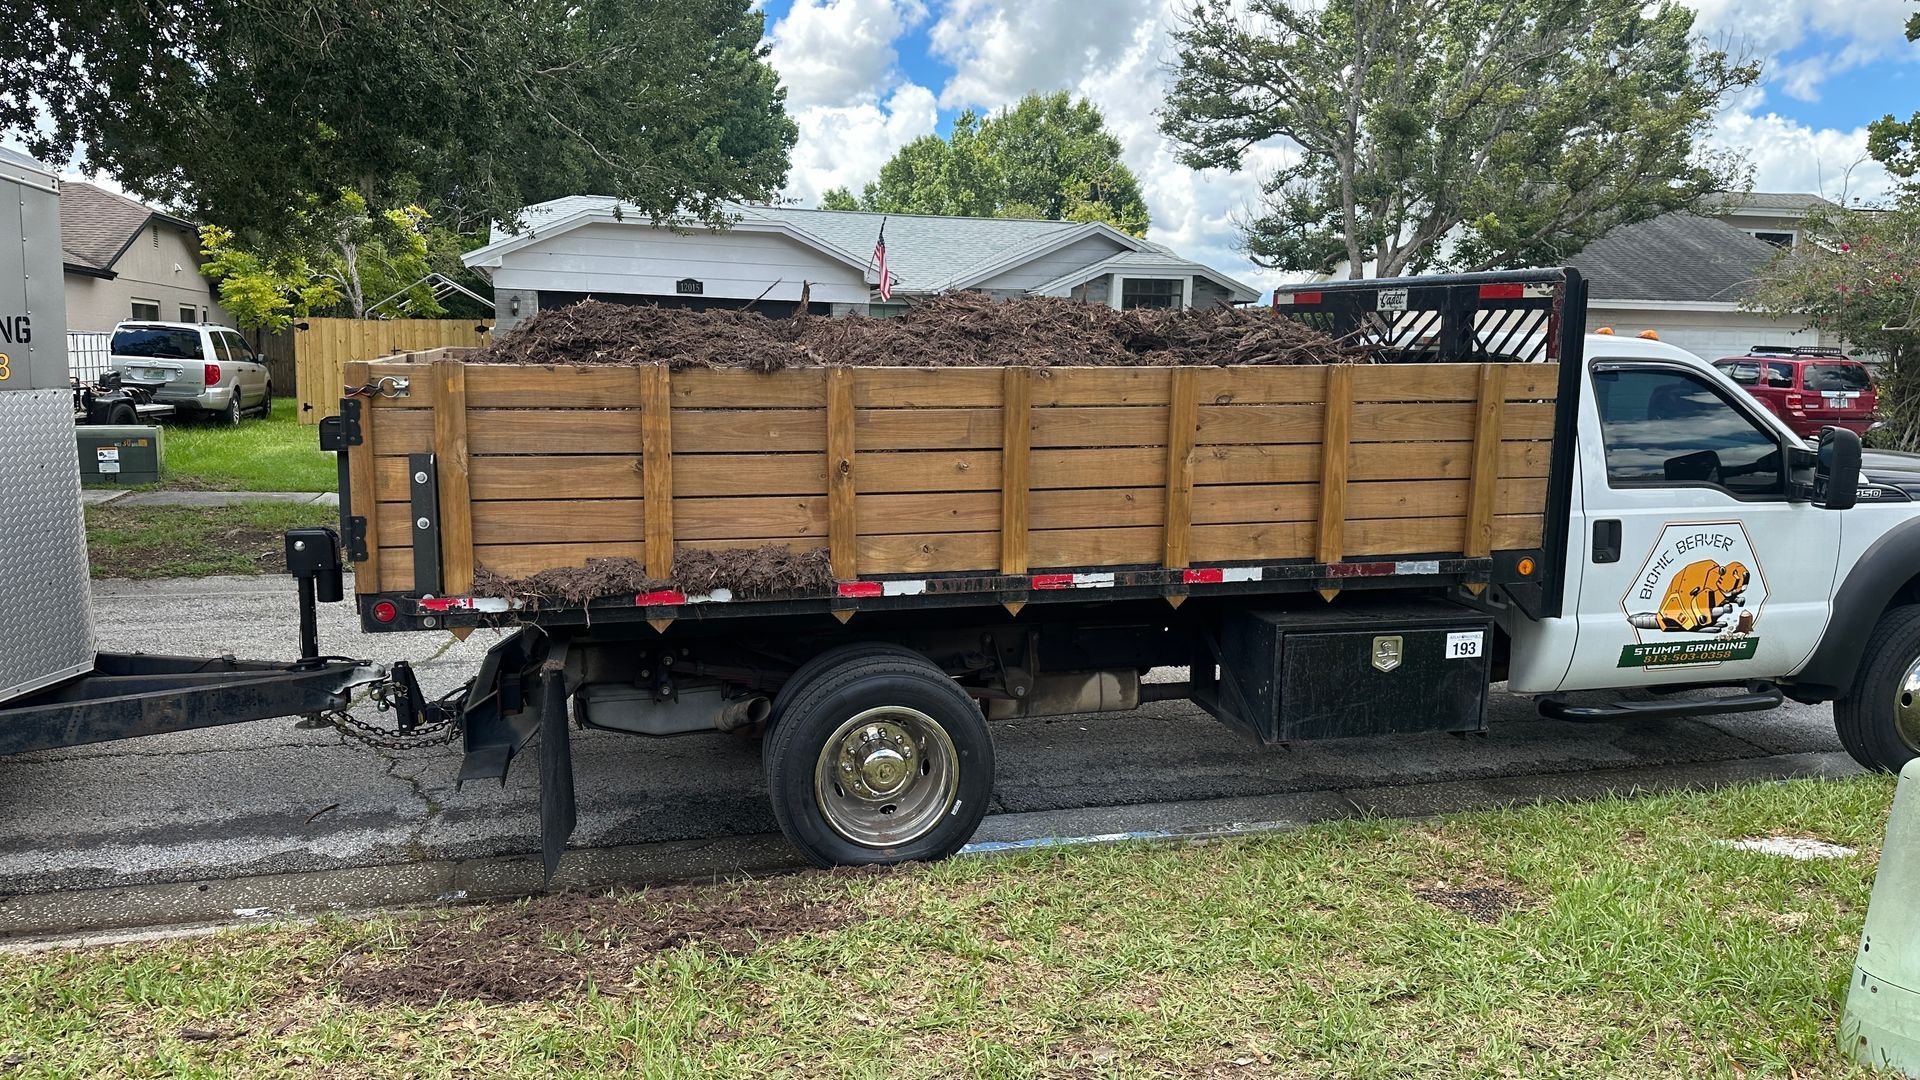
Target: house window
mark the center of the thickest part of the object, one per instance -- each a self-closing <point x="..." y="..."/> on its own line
<point x="1777" y="239"/>
<point x="189" y="313"/>
<point x="1151" y="292"/>
<point x="146" y="310"/>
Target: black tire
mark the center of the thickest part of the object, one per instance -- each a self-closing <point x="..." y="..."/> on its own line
<point x="230" y="416"/>
<point x="122" y="415"/>
<point x="1878" y="718"/>
<point x="266" y="400"/>
<point x="834" y="657"/>
<point x="938" y="808"/>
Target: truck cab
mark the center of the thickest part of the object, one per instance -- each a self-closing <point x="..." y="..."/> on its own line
<point x="1698" y="555"/>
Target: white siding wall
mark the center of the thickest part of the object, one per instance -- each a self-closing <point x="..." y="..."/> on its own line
<point x="1054" y="264"/>
<point x="638" y="259"/>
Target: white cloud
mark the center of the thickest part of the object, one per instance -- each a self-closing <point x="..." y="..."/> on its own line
<point x="845" y="145"/>
<point x="1002" y="50"/>
<point x="1849" y="33"/>
<point x="840" y="52"/>
<point x="1789" y="156"/>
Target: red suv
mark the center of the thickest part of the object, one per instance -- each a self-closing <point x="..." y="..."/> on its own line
<point x="1809" y="388"/>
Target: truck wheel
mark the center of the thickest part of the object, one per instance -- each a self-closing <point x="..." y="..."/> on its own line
<point x="1878" y="718"/>
<point x="879" y="759"/>
<point x="122" y="415"/>
<point x="832" y="658"/>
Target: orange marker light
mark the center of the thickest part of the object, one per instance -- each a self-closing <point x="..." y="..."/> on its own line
<point x="1607" y="330"/>
<point x="1650" y="335"/>
<point x="1526" y="567"/>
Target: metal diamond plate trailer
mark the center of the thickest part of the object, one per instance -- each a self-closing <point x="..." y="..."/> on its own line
<point x="55" y="689"/>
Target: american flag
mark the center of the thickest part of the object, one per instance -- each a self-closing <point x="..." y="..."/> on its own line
<point x="880" y="258"/>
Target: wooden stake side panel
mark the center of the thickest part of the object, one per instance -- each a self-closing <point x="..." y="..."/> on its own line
<point x="557" y="464"/>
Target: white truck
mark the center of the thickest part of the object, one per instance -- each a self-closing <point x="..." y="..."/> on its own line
<point x="1690" y="542"/>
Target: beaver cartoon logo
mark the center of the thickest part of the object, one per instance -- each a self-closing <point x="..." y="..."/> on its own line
<point x="1697" y="599"/>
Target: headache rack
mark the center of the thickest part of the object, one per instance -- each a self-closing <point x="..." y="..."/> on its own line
<point x="1445" y="461"/>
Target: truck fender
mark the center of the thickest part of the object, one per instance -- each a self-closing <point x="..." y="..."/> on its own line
<point x="1886" y="573"/>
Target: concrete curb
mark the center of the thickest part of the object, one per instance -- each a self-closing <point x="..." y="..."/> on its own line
<point x="100" y="497"/>
<point x="79" y="915"/>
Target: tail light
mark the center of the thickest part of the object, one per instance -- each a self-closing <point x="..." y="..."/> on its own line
<point x="1796" y="401"/>
<point x="384" y="611"/>
<point x="212" y="374"/>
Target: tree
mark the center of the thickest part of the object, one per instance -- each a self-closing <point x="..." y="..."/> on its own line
<point x="1893" y="142"/>
<point x="1046" y="157"/>
<point x="245" y="110"/>
<point x="262" y="292"/>
<point x="1518" y="132"/>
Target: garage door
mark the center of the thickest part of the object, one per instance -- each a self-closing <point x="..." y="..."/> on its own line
<point x="1714" y="342"/>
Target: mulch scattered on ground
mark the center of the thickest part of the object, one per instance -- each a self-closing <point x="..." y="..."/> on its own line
<point x="1481" y="903"/>
<point x="558" y="944"/>
<point x="962" y="329"/>
<point x="750" y="573"/>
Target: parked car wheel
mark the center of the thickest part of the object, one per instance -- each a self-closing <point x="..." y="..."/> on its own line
<point x="1878" y="718"/>
<point x="230" y="416"/>
<point x="266" y="400"/>
<point x="879" y="759"/>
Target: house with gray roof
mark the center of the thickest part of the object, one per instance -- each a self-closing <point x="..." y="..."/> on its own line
<point x="126" y="260"/>
<point x="1683" y="275"/>
<point x="769" y="257"/>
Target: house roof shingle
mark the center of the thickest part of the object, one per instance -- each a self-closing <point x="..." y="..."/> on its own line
<point x="1788" y="202"/>
<point x="1674" y="257"/>
<point x="96" y="225"/>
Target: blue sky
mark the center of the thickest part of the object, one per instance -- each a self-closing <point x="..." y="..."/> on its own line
<point x="866" y="76"/>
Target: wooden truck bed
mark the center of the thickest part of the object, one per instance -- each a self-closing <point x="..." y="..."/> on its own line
<point x="948" y="471"/>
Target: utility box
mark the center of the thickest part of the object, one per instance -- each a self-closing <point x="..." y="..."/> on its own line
<point x="1881" y="1025"/>
<point x="1291" y="674"/>
<point x="119" y="456"/>
<point x="46" y="616"/>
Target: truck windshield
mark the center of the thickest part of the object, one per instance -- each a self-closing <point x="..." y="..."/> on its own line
<point x="157" y="343"/>
<point x="1827" y="377"/>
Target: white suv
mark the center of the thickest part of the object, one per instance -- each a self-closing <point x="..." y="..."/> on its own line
<point x="204" y="369"/>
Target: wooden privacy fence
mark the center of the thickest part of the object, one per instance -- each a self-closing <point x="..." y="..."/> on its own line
<point x="919" y="470"/>
<point x="322" y="351"/>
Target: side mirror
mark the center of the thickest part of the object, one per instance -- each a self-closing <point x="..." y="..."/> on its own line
<point x="1836" y="478"/>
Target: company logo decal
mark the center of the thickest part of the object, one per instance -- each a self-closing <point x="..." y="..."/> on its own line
<point x="1697" y="600"/>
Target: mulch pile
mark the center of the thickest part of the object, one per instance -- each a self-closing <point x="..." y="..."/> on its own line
<point x="960" y="329"/>
<point x="751" y="573"/>
<point x="559" y="944"/>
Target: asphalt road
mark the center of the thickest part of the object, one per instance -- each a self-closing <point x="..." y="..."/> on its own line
<point x="270" y="798"/>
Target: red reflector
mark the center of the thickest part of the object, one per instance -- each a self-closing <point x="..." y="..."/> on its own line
<point x="1502" y="292"/>
<point x="1306" y="297"/>
<point x="1053" y="581"/>
<point x="385" y="612"/>
<point x="860" y="588"/>
<point x="211" y="374"/>
<point x="664" y="596"/>
<point x="1203" y="577"/>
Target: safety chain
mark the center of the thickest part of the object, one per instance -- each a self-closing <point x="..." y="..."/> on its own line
<point x="387" y="386"/>
<point x="433" y="733"/>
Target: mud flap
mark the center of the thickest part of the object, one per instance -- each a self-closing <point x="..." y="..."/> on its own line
<point x="557" y="816"/>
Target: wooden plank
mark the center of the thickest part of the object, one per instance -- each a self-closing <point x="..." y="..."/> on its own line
<point x="721" y="389"/>
<point x="1070" y="508"/>
<point x="929" y="554"/>
<point x="1444" y="421"/>
<point x="1183" y="421"/>
<point x="533" y="521"/>
<point x="1061" y="548"/>
<point x="933" y="470"/>
<point x="929" y="429"/>
<point x="843" y="528"/>
<point x="361" y="480"/>
<point x="1451" y="382"/>
<point x="702" y="431"/>
<point x="1259" y="424"/>
<point x="1234" y="543"/>
<point x="1228" y="504"/>
<point x="1485" y="473"/>
<point x="773" y="516"/>
<point x="1100" y="386"/>
<point x="1261" y="385"/>
<point x="902" y="388"/>
<point x="1076" y="468"/>
<point x="1100" y="426"/>
<point x="1257" y="464"/>
<point x="1333" y="464"/>
<point x="523" y="560"/>
<point x="1016" y="397"/>
<point x="751" y="474"/>
<point x="897" y="515"/>
<point x="656" y="474"/>
<point x="611" y="476"/>
<point x="448" y="380"/>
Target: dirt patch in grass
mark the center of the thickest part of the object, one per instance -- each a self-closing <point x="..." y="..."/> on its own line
<point x="1482" y="903"/>
<point x="962" y="329"/>
<point x="558" y="944"/>
<point x="748" y="572"/>
<point x="180" y="541"/>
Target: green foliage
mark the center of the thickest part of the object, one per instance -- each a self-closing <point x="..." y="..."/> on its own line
<point x="1893" y="142"/>
<point x="261" y="291"/>
<point x="1046" y="157"/>
<point x="1533" y="128"/>
<point x="242" y="109"/>
<point x="1856" y="273"/>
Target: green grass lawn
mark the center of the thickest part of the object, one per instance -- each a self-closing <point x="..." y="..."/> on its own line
<point x="1596" y="940"/>
<point x="181" y="541"/>
<point x="274" y="453"/>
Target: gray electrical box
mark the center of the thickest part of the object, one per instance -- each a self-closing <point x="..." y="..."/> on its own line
<point x="112" y="456"/>
<point x="46" y="613"/>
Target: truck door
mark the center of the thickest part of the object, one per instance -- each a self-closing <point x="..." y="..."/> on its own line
<point x="1698" y="568"/>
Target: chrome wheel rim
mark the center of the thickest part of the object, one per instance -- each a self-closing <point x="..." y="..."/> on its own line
<point x="886" y="777"/>
<point x="1906" y="708"/>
